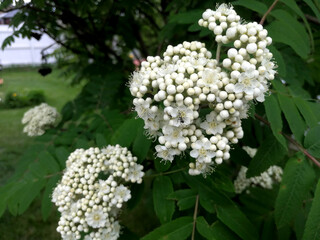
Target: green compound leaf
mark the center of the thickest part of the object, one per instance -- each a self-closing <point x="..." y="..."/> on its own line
<point x="164" y="208"/>
<point x="294" y="119"/>
<point x="273" y="112"/>
<point x="269" y="153"/>
<point x="126" y="133"/>
<point x="286" y="29"/>
<point x="297" y="178"/>
<point x="179" y="228"/>
<point x="312" y="228"/>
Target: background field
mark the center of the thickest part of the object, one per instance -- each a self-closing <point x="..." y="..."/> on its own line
<point x="13" y="142"/>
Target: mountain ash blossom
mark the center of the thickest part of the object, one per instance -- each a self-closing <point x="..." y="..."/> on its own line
<point x="193" y="103"/>
<point x="92" y="192"/>
<point x="39" y="119"/>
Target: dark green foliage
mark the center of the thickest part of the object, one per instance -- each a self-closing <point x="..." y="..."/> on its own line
<point x="102" y="114"/>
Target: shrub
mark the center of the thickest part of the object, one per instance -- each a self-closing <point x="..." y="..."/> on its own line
<point x="19" y="100"/>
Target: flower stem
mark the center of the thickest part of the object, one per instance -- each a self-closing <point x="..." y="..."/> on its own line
<point x="267" y="12"/>
<point x="218" y="53"/>
<point x="290" y="139"/>
<point x="195" y="217"/>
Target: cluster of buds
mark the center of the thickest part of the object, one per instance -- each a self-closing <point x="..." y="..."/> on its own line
<point x="192" y="103"/>
<point x="90" y="194"/>
<point x="264" y="180"/>
<point x="39" y="119"/>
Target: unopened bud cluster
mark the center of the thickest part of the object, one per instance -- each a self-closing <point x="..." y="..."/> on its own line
<point x="193" y="104"/>
<point x="39" y="119"/>
<point x="265" y="180"/>
<point x="90" y="194"/>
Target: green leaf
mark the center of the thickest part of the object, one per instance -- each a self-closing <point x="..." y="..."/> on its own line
<point x="100" y="140"/>
<point x="82" y="143"/>
<point x="46" y="203"/>
<point x="164" y="208"/>
<point x="274" y="117"/>
<point x="281" y="69"/>
<point x="294" y="6"/>
<point x="306" y="111"/>
<point x="187" y="17"/>
<point x="141" y="144"/>
<point x="179" y="228"/>
<point x="221" y="232"/>
<point x="269" y="228"/>
<point x="161" y="165"/>
<point x="126" y="133"/>
<point x="62" y="155"/>
<point x="50" y="163"/>
<point x="186" y="198"/>
<point x="312" y="141"/>
<point x="253" y="5"/>
<point x="269" y="153"/>
<point x="297" y="178"/>
<point x="194" y="27"/>
<point x="312" y="136"/>
<point x="313" y="7"/>
<point x="314" y="149"/>
<point x="29" y="192"/>
<point x="204" y="229"/>
<point x="291" y="112"/>
<point x="286" y="29"/>
<point x="231" y="216"/>
<point x="312" y="228"/>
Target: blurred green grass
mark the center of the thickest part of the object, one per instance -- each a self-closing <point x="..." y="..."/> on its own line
<point x="13" y="143"/>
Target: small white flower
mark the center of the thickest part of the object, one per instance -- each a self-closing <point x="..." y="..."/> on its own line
<point x="202" y="152"/>
<point x="210" y="77"/>
<point x="172" y="134"/>
<point x="211" y="125"/>
<point x="165" y="153"/>
<point x="246" y="82"/>
<point x="122" y="193"/>
<point x="180" y="116"/>
<point x="96" y="219"/>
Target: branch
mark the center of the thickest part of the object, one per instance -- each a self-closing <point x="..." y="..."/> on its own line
<point x="267" y="12"/>
<point x="312" y="19"/>
<point x="166" y="173"/>
<point x="195" y="217"/>
<point x="290" y="139"/>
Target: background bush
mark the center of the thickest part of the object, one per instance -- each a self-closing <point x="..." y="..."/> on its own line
<point x="24" y="99"/>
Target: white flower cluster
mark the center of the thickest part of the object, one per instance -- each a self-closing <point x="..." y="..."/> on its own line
<point x="39" y="119"/>
<point x="90" y="194"/>
<point x="190" y="102"/>
<point x="265" y="180"/>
